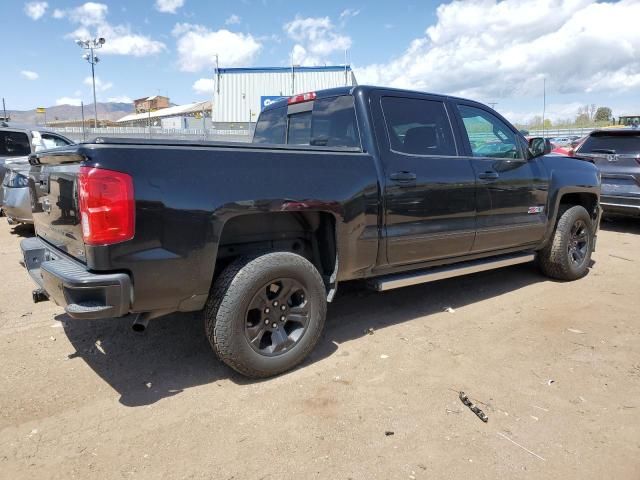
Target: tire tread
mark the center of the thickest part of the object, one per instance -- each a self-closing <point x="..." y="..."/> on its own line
<point x="552" y="258"/>
<point x="226" y="297"/>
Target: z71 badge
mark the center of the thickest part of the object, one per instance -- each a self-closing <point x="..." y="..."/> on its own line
<point x="535" y="210"/>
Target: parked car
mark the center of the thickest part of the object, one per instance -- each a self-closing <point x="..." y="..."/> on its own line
<point x="15" y="144"/>
<point x="561" y="141"/>
<point x="15" y="197"/>
<point x="389" y="186"/>
<point x="616" y="153"/>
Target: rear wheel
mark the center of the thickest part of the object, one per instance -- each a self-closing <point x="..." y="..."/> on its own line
<point x="568" y="254"/>
<point x="265" y="314"/>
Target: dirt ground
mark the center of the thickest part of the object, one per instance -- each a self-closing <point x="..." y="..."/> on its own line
<point x="556" y="367"/>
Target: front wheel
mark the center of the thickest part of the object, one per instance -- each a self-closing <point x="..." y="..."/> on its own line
<point x="265" y="314"/>
<point x="568" y="254"/>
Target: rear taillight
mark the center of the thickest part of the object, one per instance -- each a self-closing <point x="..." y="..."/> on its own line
<point x="303" y="97"/>
<point x="106" y="206"/>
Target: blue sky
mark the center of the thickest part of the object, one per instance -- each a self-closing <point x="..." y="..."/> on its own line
<point x="491" y="51"/>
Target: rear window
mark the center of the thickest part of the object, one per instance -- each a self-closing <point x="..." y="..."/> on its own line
<point x="14" y="144"/>
<point x="620" y="144"/>
<point x="299" y="131"/>
<point x="331" y="123"/>
<point x="271" y="126"/>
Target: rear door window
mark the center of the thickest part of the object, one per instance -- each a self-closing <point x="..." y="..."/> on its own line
<point x="418" y="127"/>
<point x="53" y="141"/>
<point x="14" y="144"/>
<point x="616" y="144"/>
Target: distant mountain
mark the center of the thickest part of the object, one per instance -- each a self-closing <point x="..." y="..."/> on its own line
<point x="106" y="111"/>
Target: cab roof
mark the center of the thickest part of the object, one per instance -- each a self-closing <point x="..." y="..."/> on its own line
<point x="364" y="89"/>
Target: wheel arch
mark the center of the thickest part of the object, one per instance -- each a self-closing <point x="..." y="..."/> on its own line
<point x="309" y="233"/>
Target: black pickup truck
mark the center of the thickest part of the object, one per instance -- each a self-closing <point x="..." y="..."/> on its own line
<point x="388" y="186"/>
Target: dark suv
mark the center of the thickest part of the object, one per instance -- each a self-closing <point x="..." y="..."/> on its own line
<point x="616" y="153"/>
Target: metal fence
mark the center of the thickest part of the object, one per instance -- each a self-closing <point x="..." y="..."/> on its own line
<point x="233" y="135"/>
<point x="561" y="132"/>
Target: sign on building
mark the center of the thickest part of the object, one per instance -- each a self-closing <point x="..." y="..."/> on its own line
<point x="265" y="101"/>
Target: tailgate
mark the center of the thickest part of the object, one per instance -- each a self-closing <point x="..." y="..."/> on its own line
<point x="54" y="197"/>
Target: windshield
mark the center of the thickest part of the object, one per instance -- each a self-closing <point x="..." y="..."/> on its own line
<point x="619" y="144"/>
<point x="14" y="144"/>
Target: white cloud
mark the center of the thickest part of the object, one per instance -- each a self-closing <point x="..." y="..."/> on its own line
<point x="69" y="101"/>
<point x="204" y="86"/>
<point x="120" y="99"/>
<point x="91" y="19"/>
<point x="100" y="85"/>
<point x="168" y="6"/>
<point x="490" y="49"/>
<point x="89" y="14"/>
<point x="232" y="20"/>
<point x="198" y="46"/>
<point x="58" y="14"/>
<point x="316" y="39"/>
<point x="29" y="75"/>
<point x="349" y="12"/>
<point x="35" y="10"/>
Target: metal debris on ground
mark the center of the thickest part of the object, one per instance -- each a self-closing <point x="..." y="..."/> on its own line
<point x="388" y="433"/>
<point x="550" y="382"/>
<point x="449" y="310"/>
<point x="473" y="407"/>
<point x="523" y="448"/>
<point x="369" y="331"/>
<point x="575" y="330"/>
<point x="621" y="258"/>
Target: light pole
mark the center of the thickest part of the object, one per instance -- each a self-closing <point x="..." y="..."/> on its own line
<point x="90" y="57"/>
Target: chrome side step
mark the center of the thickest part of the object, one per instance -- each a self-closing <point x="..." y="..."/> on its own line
<point x="389" y="282"/>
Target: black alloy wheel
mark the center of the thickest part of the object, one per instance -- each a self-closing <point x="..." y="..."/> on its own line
<point x="277" y="317"/>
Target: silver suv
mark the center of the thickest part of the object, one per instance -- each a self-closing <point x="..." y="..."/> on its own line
<point x="616" y="153"/>
<point x="16" y="144"/>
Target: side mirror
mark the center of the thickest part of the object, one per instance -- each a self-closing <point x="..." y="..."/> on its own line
<point x="539" y="146"/>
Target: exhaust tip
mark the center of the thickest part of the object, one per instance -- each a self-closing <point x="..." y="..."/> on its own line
<point x="138" y="327"/>
<point x="39" y="295"/>
<point x="140" y="323"/>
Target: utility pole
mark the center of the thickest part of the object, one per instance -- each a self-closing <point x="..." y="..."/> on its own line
<point x="544" y="103"/>
<point x="293" y="76"/>
<point x="346" y="80"/>
<point x="493" y="105"/>
<point x="4" y="109"/>
<point x="90" y="57"/>
<point x="217" y="76"/>
<point x="204" y="125"/>
<point x="82" y="113"/>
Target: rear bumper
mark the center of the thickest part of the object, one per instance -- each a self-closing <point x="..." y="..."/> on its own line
<point x="16" y="203"/>
<point x="620" y="205"/>
<point x="82" y="294"/>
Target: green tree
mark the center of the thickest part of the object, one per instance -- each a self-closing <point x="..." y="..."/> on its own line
<point x="547" y="123"/>
<point x="603" y="114"/>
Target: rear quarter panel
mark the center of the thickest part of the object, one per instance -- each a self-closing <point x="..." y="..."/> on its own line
<point x="185" y="195"/>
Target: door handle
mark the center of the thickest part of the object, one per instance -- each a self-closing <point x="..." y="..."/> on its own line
<point x="489" y="175"/>
<point x="403" y="177"/>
